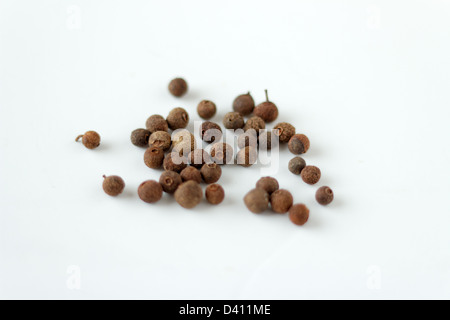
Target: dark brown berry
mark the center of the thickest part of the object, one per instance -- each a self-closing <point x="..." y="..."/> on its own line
<point x="244" y="104"/>
<point x="178" y="87"/>
<point x="285" y="131"/>
<point x="206" y="109"/>
<point x="153" y="157"/>
<point x="139" y="137"/>
<point x="268" y="139"/>
<point x="324" y="195"/>
<point x="174" y="162"/>
<point x="183" y="142"/>
<point x="113" y="185"/>
<point x="198" y="158"/>
<point x="189" y="194"/>
<point x="211" y="172"/>
<point x="268" y="183"/>
<point x="191" y="173"/>
<point x="255" y="123"/>
<point x="247" y="157"/>
<point x="150" y="191"/>
<point x="170" y="180"/>
<point x="267" y="110"/>
<point x="248" y="138"/>
<point x="296" y="165"/>
<point x="210" y="132"/>
<point x="221" y="153"/>
<point x="90" y="139"/>
<point x="281" y="200"/>
<point x="156" y="123"/>
<point x="257" y="200"/>
<point x="214" y="193"/>
<point x="233" y="120"/>
<point x="299" y="214"/>
<point x="298" y="144"/>
<point x="311" y="174"/>
<point x="160" y="139"/>
<point x="178" y="118"/>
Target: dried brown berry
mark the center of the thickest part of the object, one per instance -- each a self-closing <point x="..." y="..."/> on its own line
<point x="174" y="162"/>
<point x="206" y="109"/>
<point x="268" y="183"/>
<point x="139" y="137"/>
<point x="160" y="139"/>
<point x="311" y="174"/>
<point x="221" y="153"/>
<point x="299" y="214"/>
<point x="214" y="193"/>
<point x="281" y="200"/>
<point x="324" y="195"/>
<point x="233" y="120"/>
<point x="248" y="138"/>
<point x="191" y="173"/>
<point x="268" y="139"/>
<point x="170" y="180"/>
<point x="255" y="123"/>
<point x="296" y="165"/>
<point x="90" y="139"/>
<point x="153" y="157"/>
<point x="267" y="110"/>
<point x="150" y="191"/>
<point x="247" y="157"/>
<point x="298" y="144"/>
<point x="183" y="142"/>
<point x="113" y="185"/>
<point x="178" y="118"/>
<point x="198" y="158"/>
<point x="244" y="104"/>
<point x="178" y="87"/>
<point x="285" y="131"/>
<point x="156" y="123"/>
<point x="210" y="132"/>
<point x="257" y="200"/>
<point x="211" y="172"/>
<point x="189" y="194"/>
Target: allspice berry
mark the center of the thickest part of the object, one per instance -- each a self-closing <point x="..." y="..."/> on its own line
<point x="198" y="158"/>
<point x="281" y="200"/>
<point x="160" y="139"/>
<point x="244" y="104"/>
<point x="174" y="162"/>
<point x="150" y="191"/>
<point x="267" y="110"/>
<point x="113" y="185"/>
<point x="256" y="123"/>
<point x="248" y="138"/>
<point x="285" y="131"/>
<point x="191" y="173"/>
<point x="156" y="123"/>
<point x="178" y="87"/>
<point x="298" y="144"/>
<point x="170" y="180"/>
<point x="139" y="137"/>
<point x="233" y="120"/>
<point x="221" y="153"/>
<point x="183" y="142"/>
<point x="206" y="109"/>
<point x="211" y="172"/>
<point x="296" y="165"/>
<point x="154" y="157"/>
<point x="90" y="139"/>
<point x="311" y="174"/>
<point x="299" y="214"/>
<point x="257" y="200"/>
<point x="178" y="118"/>
<point x="210" y="132"/>
<point x="324" y="195"/>
<point x="247" y="157"/>
<point x="269" y="184"/>
<point x="214" y="193"/>
<point x="189" y="194"/>
<point x="268" y="139"/>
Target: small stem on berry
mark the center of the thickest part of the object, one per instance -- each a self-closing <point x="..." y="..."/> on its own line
<point x="267" y="96"/>
<point x="79" y="137"/>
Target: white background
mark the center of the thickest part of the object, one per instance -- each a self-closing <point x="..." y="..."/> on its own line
<point x="367" y="81"/>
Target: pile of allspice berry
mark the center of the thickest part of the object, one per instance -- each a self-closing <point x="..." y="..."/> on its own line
<point x="186" y="167"/>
